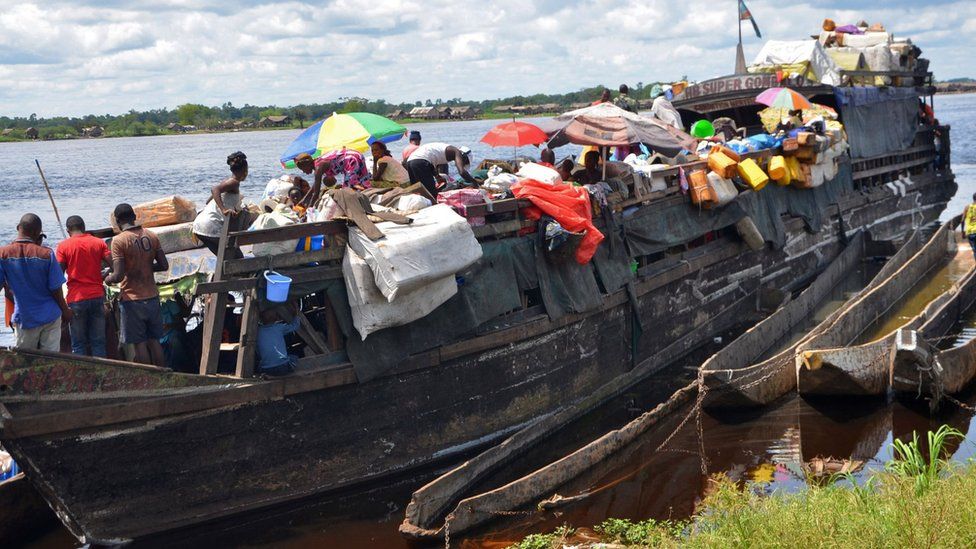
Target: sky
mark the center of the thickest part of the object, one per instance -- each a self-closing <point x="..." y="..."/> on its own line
<point x="79" y="57"/>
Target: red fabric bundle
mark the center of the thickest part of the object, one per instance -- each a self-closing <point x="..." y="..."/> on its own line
<point x="568" y="205"/>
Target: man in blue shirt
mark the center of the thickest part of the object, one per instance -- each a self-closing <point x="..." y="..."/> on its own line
<point x="31" y="274"/>
<point x="273" y="357"/>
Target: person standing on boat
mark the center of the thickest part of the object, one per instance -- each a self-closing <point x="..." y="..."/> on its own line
<point x="414" y="143"/>
<point x="82" y="257"/>
<point x="225" y="202"/>
<point x="427" y="164"/>
<point x="136" y="255"/>
<point x="625" y="101"/>
<point x="31" y="274"/>
<point x="968" y="224"/>
<point x="344" y="167"/>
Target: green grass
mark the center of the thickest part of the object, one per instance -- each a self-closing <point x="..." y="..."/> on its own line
<point x="919" y="500"/>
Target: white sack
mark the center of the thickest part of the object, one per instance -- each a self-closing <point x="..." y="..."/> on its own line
<point x="412" y="202"/>
<point x="371" y="311"/>
<point x="438" y="243"/>
<point x="789" y="52"/>
<point x="280" y="217"/>
<point x="538" y="172"/>
<point x="177" y="238"/>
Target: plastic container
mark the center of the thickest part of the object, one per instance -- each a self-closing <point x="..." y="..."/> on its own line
<point x="310" y="243"/>
<point x="778" y="170"/>
<point x="721" y="164"/>
<point x="793" y="168"/>
<point x="701" y="193"/>
<point x="703" y="129"/>
<point x="723" y="189"/>
<point x="752" y="174"/>
<point x="727" y="152"/>
<point x="278" y="285"/>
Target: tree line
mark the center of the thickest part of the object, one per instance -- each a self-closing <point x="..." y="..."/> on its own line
<point x="203" y="117"/>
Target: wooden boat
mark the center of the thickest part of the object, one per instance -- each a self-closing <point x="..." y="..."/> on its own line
<point x="829" y="362"/>
<point x="154" y="450"/>
<point x="924" y="365"/>
<point x="23" y="512"/>
<point x="740" y="377"/>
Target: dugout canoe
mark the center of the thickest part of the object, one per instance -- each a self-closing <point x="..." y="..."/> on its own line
<point x="938" y="358"/>
<point x="739" y="377"/>
<point x="832" y="363"/>
<point x="23" y="513"/>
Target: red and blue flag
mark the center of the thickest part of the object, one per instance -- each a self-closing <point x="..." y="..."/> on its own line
<point x="746" y="15"/>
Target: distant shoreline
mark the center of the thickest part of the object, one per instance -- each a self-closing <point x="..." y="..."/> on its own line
<point x="402" y="121"/>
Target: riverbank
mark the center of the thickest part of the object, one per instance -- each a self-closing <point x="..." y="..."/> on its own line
<point x="915" y="502"/>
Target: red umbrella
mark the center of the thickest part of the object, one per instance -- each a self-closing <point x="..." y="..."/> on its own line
<point x="514" y="134"/>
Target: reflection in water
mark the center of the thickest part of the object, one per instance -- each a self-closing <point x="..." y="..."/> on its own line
<point x="765" y="452"/>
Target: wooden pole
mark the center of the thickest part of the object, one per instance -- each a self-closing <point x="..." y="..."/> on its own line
<point x="51" y="197"/>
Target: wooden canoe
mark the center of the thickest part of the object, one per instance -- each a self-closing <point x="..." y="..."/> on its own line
<point x="924" y="369"/>
<point x="23" y="513"/>
<point x="434" y="500"/>
<point x="739" y="377"/>
<point x="830" y="363"/>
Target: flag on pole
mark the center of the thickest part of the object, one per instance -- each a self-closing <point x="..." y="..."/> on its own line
<point x="746" y="15"/>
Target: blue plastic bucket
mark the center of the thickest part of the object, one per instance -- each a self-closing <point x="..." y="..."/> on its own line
<point x="278" y="285"/>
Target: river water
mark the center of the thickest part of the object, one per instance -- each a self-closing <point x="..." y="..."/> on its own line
<point x="764" y="450"/>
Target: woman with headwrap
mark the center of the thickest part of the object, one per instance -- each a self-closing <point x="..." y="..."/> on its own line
<point x="225" y="202"/>
<point x="345" y="167"/>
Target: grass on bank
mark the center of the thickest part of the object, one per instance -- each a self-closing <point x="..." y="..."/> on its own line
<point x="919" y="500"/>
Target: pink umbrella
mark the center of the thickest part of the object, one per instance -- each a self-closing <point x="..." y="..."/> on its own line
<point x="514" y="134"/>
<point x="783" y="98"/>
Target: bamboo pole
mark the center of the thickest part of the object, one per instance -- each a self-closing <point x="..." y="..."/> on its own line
<point x="51" y="197"/>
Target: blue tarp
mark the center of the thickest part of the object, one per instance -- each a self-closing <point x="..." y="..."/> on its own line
<point x="878" y="120"/>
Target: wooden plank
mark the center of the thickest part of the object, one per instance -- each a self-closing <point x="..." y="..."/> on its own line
<point x="893" y="168"/>
<point x="333" y="332"/>
<point x="311" y="336"/>
<point x="293" y="259"/>
<point x="290" y="232"/>
<point x="307" y="274"/>
<point x="142" y="409"/>
<point x="213" y="316"/>
<point x="247" y="352"/>
<point x="502" y="227"/>
<point x="499" y="206"/>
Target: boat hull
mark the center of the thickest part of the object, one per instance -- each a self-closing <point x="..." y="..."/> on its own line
<point x="176" y="468"/>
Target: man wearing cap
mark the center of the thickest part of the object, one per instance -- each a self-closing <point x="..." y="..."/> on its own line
<point x="428" y="165"/>
<point x="31" y="274"/>
<point x="414" y="143"/>
<point x="136" y="255"/>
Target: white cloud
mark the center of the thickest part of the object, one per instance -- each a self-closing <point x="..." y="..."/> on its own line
<point x="67" y="57"/>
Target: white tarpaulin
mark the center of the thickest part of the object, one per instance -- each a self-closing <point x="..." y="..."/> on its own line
<point x="794" y="54"/>
<point x="370" y="309"/>
<point x="438" y="243"/>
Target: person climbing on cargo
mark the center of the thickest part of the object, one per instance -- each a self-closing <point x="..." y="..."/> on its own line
<point x="31" y="274"/>
<point x="82" y="257"/>
<point x="225" y="202"/>
<point x="428" y="165"/>
<point x="136" y="255"/>
<point x="968" y="225"/>
<point x="345" y="167"/>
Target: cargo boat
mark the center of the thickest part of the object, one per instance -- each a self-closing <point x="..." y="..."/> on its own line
<point x="122" y="451"/>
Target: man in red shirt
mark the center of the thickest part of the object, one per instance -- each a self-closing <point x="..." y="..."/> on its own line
<point x="82" y="257"/>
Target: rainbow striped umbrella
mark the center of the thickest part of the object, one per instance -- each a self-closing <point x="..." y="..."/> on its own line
<point x="354" y="130"/>
<point x="783" y="98"/>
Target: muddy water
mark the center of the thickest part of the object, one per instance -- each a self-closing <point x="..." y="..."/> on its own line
<point x="928" y="288"/>
<point x="766" y="452"/>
